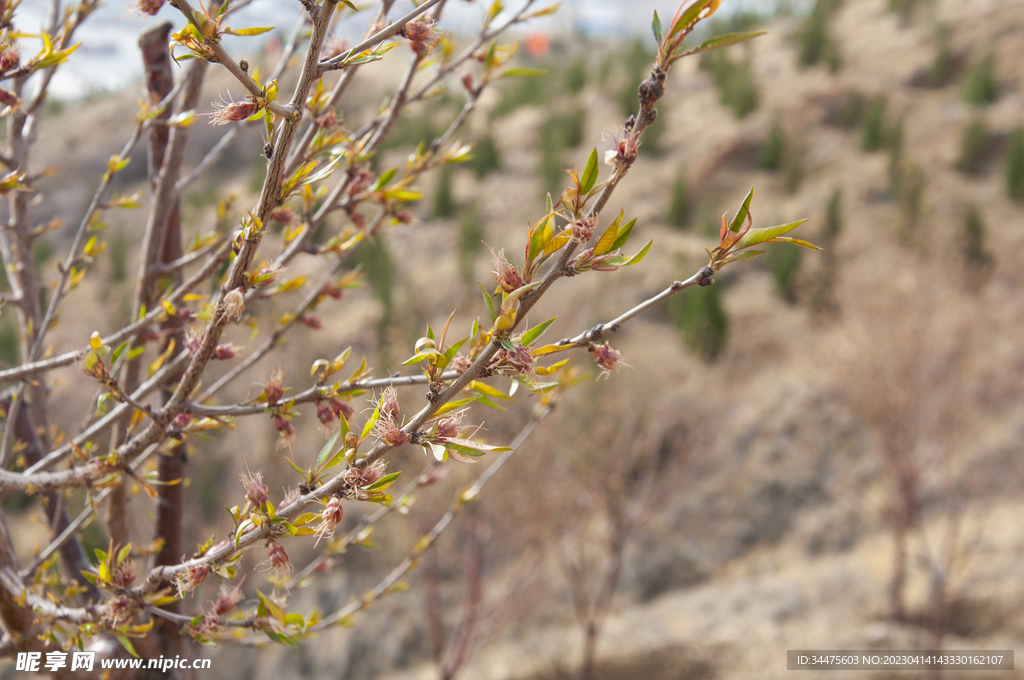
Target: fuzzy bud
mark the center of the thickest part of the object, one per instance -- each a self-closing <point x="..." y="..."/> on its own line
<point x="361" y="179"/>
<point x="232" y="112"/>
<point x="10" y="58"/>
<point x="327" y="120"/>
<point x="124" y="576"/>
<point x="227" y="600"/>
<point x="8" y="98"/>
<point x="508" y="276"/>
<point x="331" y="517"/>
<point x="311" y="321"/>
<point x="191" y="577"/>
<point x="149" y="7"/>
<point x="331" y="290"/>
<point x="279" y="561"/>
<point x="284" y="215"/>
<point x="118" y="610"/>
<point x="234" y="304"/>
<point x="417" y="31"/>
<point x="284" y="427"/>
<point x="194" y="340"/>
<point x="607" y="358"/>
<point x="448" y="428"/>
<point x="324" y="413"/>
<point x="275" y="388"/>
<point x="583" y="230"/>
<point x="256" y="492"/>
<point x="389" y="403"/>
<point x="459" y="363"/>
<point x="225" y="351"/>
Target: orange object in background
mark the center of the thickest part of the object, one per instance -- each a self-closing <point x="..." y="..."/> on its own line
<point x="537" y="44"/>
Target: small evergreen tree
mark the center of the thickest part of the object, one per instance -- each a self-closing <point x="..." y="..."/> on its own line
<point x="679" y="211"/>
<point x="874" y="122"/>
<point x="444" y="206"/>
<point x="701" y="319"/>
<point x="1015" y="165"/>
<point x="976" y="256"/>
<point x="973" y="147"/>
<point x="981" y="88"/>
<point x="486" y="158"/>
<point x="771" y="153"/>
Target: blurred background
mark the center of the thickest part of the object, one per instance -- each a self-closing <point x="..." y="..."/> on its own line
<point x="821" y="451"/>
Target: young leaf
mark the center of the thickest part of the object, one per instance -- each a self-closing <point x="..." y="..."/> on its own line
<point x="490" y="390"/>
<point x="766" y="234"/>
<point x="531" y="336"/>
<point x="326" y="451"/>
<point x="489" y="301"/>
<point x="623" y="236"/>
<point x="742" y="213"/>
<point x="656" y="27"/>
<point x="724" y="41"/>
<point x="695" y="11"/>
<point x="589" y="177"/>
<point x="604" y="244"/>
<point x="384" y="482"/>
<point x="523" y="73"/>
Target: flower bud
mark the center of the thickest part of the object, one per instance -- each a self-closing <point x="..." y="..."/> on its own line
<point x="8" y="98"/>
<point x="10" y="58"/>
<point x="232" y="111"/>
<point x="225" y="351"/>
<point x="234" y="303"/>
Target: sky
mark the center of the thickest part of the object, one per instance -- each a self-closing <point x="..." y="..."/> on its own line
<point x="108" y="58"/>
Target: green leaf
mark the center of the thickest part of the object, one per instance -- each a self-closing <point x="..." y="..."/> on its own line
<point x="691" y="14"/>
<point x="449" y="353"/>
<point x="479" y="448"/>
<point x="724" y="41"/>
<point x="623" y="261"/>
<point x="589" y="177"/>
<point x="348" y="3"/>
<point x="489" y="390"/>
<point x="541" y="233"/>
<point x="523" y="73"/>
<point x="383" y="180"/>
<point x="745" y="255"/>
<point x="656" y="27"/>
<point x="370" y="423"/>
<point x="487" y="402"/>
<point x="326" y="451"/>
<point x="117" y="352"/>
<point x="384" y="481"/>
<point x="272" y="607"/>
<point x="489" y="301"/>
<point x="248" y="31"/>
<point x="452" y="406"/>
<point x="604" y="244"/>
<point x="742" y="213"/>
<point x="639" y="256"/>
<point x="281" y="639"/>
<point x="624" y="233"/>
<point x="127" y="644"/>
<point x="420" y="356"/>
<point x="794" y="241"/>
<point x="765" y="234"/>
<point x="531" y="336"/>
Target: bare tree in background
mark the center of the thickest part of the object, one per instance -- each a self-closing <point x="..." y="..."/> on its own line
<point x="154" y="385"/>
